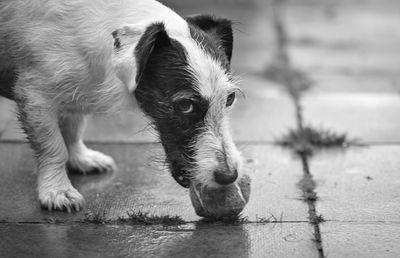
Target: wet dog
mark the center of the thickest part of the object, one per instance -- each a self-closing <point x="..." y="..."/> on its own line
<point x="62" y="60"/>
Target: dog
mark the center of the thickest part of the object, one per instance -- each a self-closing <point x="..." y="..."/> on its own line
<point x="63" y="60"/>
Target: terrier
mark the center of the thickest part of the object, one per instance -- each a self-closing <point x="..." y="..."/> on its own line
<point x="62" y="60"/>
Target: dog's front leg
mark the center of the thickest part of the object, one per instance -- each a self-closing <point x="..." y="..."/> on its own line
<point x="81" y="158"/>
<point x="39" y="119"/>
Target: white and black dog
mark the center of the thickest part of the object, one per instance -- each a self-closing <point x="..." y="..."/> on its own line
<point x="63" y="59"/>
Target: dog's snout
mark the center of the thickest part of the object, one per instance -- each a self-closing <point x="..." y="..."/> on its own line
<point x="224" y="177"/>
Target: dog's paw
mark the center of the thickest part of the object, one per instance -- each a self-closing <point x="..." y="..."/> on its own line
<point x="86" y="160"/>
<point x="68" y="199"/>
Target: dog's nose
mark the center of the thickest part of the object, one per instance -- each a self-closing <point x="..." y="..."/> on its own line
<point x="225" y="177"/>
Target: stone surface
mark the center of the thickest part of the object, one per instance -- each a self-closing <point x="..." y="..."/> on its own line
<point x="331" y="83"/>
<point x="82" y="240"/>
<point x="360" y="184"/>
<point x="369" y="117"/>
<point x="264" y="114"/>
<point x="141" y="185"/>
<point x="350" y="52"/>
<point x="344" y="39"/>
<point x="361" y="239"/>
<point x="5" y="114"/>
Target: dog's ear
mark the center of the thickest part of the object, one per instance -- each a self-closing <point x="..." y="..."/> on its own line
<point x="138" y="42"/>
<point x="155" y="37"/>
<point x="218" y="28"/>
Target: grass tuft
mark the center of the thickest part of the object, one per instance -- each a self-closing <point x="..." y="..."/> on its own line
<point x="139" y="217"/>
<point x="230" y="220"/>
<point x="96" y="218"/>
<point x="135" y="218"/>
<point x="270" y="219"/>
<point x="307" y="139"/>
<point x="53" y="220"/>
<point x="317" y="219"/>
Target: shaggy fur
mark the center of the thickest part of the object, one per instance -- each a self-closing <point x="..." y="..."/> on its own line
<point x="61" y="60"/>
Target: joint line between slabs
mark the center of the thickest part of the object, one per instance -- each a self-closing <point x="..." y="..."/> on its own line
<point x="282" y="60"/>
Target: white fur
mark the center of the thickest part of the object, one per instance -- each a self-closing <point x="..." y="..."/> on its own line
<point x="63" y="53"/>
<point x="216" y="139"/>
<point x="72" y="45"/>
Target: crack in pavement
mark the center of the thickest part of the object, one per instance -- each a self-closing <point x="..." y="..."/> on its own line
<point x="296" y="83"/>
<point x="307" y="186"/>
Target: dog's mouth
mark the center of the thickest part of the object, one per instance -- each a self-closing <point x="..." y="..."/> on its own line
<point x="225" y="202"/>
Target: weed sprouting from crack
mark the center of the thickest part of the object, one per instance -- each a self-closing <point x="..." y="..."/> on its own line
<point x="96" y="218"/>
<point x="134" y="218"/>
<point x="271" y="219"/>
<point x="233" y="220"/>
<point x="239" y="220"/>
<point x="307" y="139"/>
<point x="53" y="220"/>
<point x="145" y="218"/>
<point x="317" y="219"/>
<point x="139" y="217"/>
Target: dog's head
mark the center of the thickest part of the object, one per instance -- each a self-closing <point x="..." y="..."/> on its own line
<point x="184" y="84"/>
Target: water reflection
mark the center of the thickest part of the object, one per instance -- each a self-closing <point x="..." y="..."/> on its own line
<point x="208" y="240"/>
<point x="97" y="181"/>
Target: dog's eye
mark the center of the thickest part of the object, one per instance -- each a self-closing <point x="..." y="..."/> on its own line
<point x="185" y="106"/>
<point x="230" y="99"/>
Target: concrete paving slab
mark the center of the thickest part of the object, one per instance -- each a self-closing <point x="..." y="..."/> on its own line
<point x="13" y="131"/>
<point x="266" y="107"/>
<point x="351" y="83"/>
<point x="268" y="240"/>
<point x="141" y="185"/>
<point x="360" y="184"/>
<point x="369" y="117"/>
<point x="354" y="3"/>
<point x="6" y="114"/>
<point x="344" y="39"/>
<point x="361" y="239"/>
<point x="264" y="114"/>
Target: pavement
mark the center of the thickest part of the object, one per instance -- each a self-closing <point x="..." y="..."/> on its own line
<point x="337" y="202"/>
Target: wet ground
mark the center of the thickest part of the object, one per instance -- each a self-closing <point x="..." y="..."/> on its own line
<point x="329" y="202"/>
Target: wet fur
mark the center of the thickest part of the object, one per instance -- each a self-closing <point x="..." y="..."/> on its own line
<point x="59" y="65"/>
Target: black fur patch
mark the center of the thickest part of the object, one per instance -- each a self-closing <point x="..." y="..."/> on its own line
<point x="163" y="79"/>
<point x="217" y="36"/>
